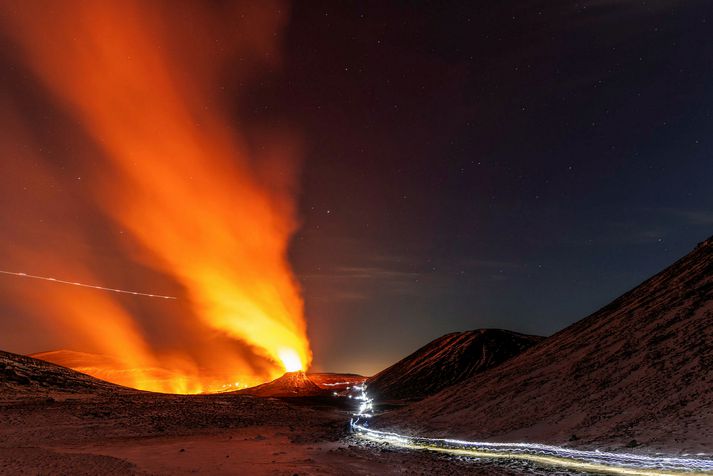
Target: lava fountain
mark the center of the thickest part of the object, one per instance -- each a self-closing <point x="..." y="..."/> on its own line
<point x="151" y="90"/>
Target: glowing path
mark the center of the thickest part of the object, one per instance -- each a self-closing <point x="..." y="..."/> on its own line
<point x="102" y="288"/>
<point x="547" y="455"/>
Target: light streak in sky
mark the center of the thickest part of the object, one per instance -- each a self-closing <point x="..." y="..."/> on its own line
<point x="101" y="288"/>
<point x="549" y="455"/>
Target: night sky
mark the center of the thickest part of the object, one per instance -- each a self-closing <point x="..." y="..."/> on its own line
<point x="516" y="165"/>
<point x="510" y="164"/>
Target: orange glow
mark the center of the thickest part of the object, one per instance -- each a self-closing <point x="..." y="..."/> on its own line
<point x="203" y="206"/>
<point x="291" y="361"/>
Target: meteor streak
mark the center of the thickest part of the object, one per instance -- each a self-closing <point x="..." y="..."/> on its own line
<point x="548" y="455"/>
<point x="92" y="286"/>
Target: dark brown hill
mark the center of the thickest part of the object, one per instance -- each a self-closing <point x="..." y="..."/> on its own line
<point x="445" y="361"/>
<point x="640" y="369"/>
<point x="21" y="375"/>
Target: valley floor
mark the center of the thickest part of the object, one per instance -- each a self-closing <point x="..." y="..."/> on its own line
<point x="151" y="434"/>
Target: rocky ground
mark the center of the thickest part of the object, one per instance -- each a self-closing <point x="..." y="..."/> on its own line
<point x="56" y="421"/>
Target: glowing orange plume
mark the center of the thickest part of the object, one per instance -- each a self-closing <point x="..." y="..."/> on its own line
<point x="204" y="207"/>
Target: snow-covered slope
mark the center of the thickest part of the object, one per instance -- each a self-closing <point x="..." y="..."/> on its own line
<point x="446" y="361"/>
<point x="637" y="372"/>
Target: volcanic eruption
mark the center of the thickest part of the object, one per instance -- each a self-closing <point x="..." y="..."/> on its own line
<point x="145" y="167"/>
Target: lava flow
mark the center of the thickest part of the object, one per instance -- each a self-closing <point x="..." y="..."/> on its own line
<point x="203" y="207"/>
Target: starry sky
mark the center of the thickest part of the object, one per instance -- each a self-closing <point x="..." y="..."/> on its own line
<point x="512" y="164"/>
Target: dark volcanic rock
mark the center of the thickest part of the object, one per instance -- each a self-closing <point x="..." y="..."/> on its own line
<point x="640" y="368"/>
<point x="446" y="361"/>
<point x="292" y="384"/>
<point x="22" y="375"/>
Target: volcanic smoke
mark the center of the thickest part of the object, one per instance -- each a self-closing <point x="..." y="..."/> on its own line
<point x="147" y="96"/>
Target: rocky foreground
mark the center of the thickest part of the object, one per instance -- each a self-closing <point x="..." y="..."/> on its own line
<point x="57" y="421"/>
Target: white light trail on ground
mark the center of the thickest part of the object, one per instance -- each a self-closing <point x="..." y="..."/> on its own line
<point x="101" y="288"/>
<point x="548" y="455"/>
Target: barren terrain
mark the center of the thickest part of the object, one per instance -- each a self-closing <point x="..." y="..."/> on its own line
<point x="57" y="421"/>
<point x="636" y="375"/>
<point x="447" y="361"/>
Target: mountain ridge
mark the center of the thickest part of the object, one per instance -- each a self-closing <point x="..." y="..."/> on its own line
<point x="291" y="384"/>
<point x="638" y="370"/>
<point x="446" y="361"/>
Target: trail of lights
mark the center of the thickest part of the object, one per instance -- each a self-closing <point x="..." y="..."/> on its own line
<point x="548" y="455"/>
<point x="101" y="288"/>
